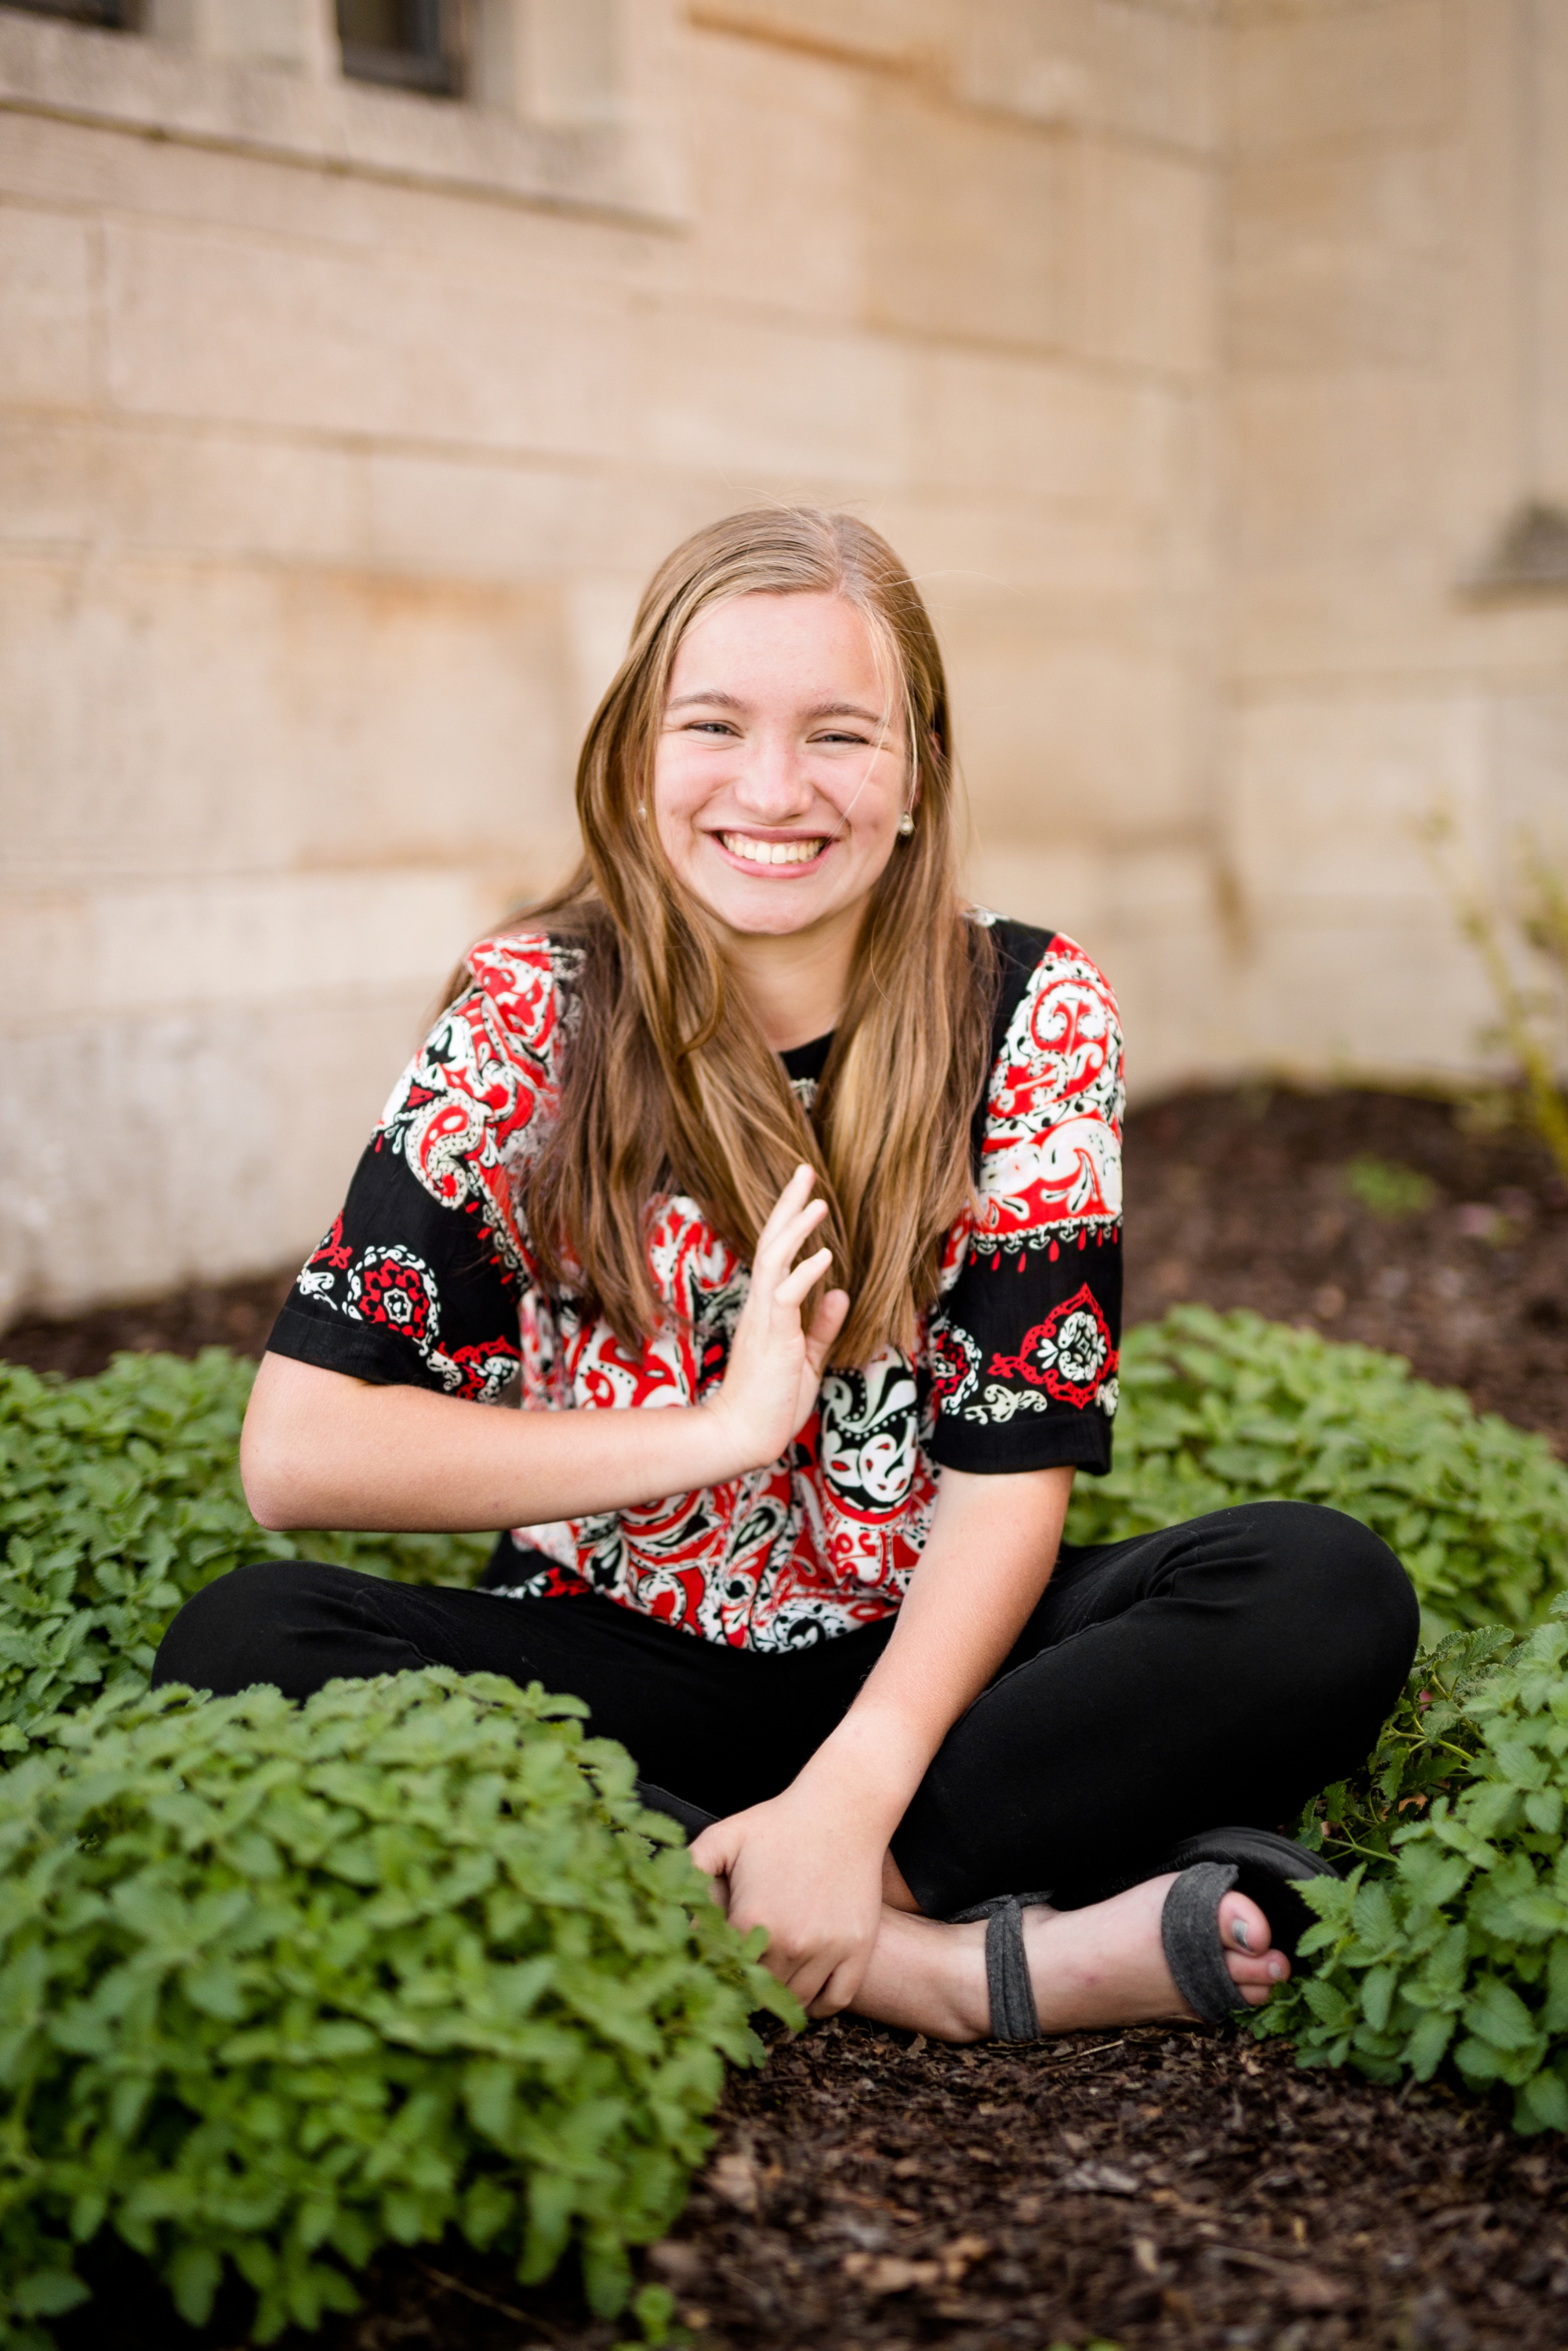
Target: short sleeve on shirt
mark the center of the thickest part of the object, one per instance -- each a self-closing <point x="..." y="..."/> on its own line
<point x="424" y="1276"/>
<point x="1024" y="1346"/>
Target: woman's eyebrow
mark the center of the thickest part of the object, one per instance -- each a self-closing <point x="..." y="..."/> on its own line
<point x="846" y="710"/>
<point x="717" y="699"/>
<point x="715" y="695"/>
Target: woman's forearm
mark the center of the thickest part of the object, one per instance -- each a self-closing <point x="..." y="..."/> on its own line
<point x="992" y="1547"/>
<point x="320" y="1450"/>
<point x="323" y="1450"/>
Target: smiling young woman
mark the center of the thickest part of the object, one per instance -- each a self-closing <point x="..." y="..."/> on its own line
<point x="791" y="1524"/>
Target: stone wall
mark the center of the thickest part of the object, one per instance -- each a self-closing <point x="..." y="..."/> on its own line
<point x="339" y="428"/>
<point x="1394" y="395"/>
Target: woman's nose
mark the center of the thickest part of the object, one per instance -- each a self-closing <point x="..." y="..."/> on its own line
<point x="771" y="782"/>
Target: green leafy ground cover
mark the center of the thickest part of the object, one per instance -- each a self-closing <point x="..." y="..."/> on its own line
<point x="1447" y="1940"/>
<point x="279" y="1983"/>
<point x="119" y="1496"/>
<point x="1223" y="1408"/>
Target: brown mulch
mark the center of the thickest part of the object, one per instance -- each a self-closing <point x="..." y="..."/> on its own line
<point x="237" y="1314"/>
<point x="1237" y="1198"/>
<point x="1168" y="2186"/>
<point x="1171" y="2185"/>
<point x="1241" y="1199"/>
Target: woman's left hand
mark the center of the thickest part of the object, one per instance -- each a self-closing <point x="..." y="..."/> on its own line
<point x="813" y="1878"/>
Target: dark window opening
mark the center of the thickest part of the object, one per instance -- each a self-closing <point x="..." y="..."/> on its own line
<point x="410" y="44"/>
<point x="109" y="15"/>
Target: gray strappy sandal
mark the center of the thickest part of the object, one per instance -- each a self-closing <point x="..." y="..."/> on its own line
<point x="1253" y="1862"/>
<point x="1014" y="2016"/>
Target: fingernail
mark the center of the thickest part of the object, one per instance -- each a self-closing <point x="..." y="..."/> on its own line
<point x="1239" y="1933"/>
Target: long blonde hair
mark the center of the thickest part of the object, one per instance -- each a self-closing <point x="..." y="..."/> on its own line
<point x="668" y="1084"/>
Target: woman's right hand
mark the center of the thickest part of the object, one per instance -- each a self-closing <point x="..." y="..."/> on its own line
<point x="775" y="1363"/>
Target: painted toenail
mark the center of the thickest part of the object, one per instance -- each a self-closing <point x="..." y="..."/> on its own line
<point x="1276" y="1969"/>
<point x="1239" y="1933"/>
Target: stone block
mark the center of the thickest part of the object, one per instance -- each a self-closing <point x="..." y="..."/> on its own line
<point x="210" y="719"/>
<point x="150" y="486"/>
<point x="1003" y="426"/>
<point x="232" y="330"/>
<point x="886" y="32"/>
<point x="1529" y="756"/>
<point x="768" y="409"/>
<point x="1353" y="469"/>
<point x="1345" y="260"/>
<point x="475" y="517"/>
<point x="1061" y="732"/>
<point x="1065" y="887"/>
<point x="1076" y="558"/>
<point x="297" y="34"/>
<point x="1311" y="78"/>
<point x="971" y="221"/>
<point x="1147" y="290"/>
<point x="242" y="1126"/>
<point x="1159" y="73"/>
<point x="1143" y="72"/>
<point x="47" y="309"/>
<point x="182" y="1102"/>
<point x="53" y="490"/>
<point x="1398" y="999"/>
<point x="1328" y="800"/>
<point x="150" y="950"/>
<point x="1172" y="964"/>
<point x="779" y="180"/>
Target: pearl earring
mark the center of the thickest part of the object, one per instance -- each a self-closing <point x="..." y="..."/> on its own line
<point x="643" y="807"/>
<point x="906" y="823"/>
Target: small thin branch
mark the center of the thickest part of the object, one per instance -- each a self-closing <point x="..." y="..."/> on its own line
<point x="489" y="2302"/>
<point x="1079" y="2055"/>
<point x="1546" y="935"/>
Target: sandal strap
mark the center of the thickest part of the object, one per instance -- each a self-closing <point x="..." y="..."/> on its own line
<point x="1189" y="1930"/>
<point x="1014" y="2016"/>
<point x="1266" y="1866"/>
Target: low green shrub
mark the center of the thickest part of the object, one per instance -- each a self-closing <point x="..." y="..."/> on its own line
<point x="279" y="1983"/>
<point x="1448" y="1939"/>
<point x="1387" y="1188"/>
<point x="119" y="1496"/>
<point x="1222" y="1408"/>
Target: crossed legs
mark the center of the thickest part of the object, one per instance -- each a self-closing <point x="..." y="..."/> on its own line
<point x="1211" y="1674"/>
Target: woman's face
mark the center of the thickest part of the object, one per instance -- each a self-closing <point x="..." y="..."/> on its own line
<point x="781" y="773"/>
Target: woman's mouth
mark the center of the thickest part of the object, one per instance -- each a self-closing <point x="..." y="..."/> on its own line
<point x="773" y="852"/>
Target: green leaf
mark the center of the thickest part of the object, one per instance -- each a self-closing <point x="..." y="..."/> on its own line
<point x="1424" y="2049"/>
<point x="48" y="2293"/>
<point x="1544" y="2103"/>
<point x="1377" y="1988"/>
<point x="194" y="2273"/>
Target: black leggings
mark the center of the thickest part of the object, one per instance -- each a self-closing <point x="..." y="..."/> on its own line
<point x="1216" y="1673"/>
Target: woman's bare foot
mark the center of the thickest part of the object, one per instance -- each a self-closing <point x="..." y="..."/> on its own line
<point x="1101" y="1966"/>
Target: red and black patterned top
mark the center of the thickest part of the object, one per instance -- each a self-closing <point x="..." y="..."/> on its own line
<point x="428" y="1278"/>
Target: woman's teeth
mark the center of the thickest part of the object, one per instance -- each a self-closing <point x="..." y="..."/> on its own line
<point x="771" y="853"/>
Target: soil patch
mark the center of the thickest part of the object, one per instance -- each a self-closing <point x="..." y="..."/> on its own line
<point x="237" y="1314"/>
<point x="1172" y="2186"/>
<point x="1169" y="2186"/>
<point x="1238" y="1197"/>
<point x="1247" y="1198"/>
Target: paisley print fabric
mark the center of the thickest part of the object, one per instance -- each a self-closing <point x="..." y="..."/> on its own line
<point x="428" y="1278"/>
